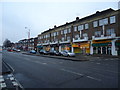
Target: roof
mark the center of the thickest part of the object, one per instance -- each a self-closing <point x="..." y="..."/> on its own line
<point x="98" y="13"/>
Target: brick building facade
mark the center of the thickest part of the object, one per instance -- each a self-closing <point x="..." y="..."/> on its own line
<point x="95" y="34"/>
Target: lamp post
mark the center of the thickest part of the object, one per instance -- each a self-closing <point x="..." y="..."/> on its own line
<point x="28" y="36"/>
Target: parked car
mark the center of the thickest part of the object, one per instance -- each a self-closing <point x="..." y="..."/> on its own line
<point x="43" y="52"/>
<point x="33" y="51"/>
<point x="67" y="53"/>
<point x="57" y="53"/>
<point x="52" y="52"/>
<point x="18" y="50"/>
<point x="10" y="50"/>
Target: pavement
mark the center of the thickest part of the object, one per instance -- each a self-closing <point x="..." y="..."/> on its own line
<point x="7" y="79"/>
<point x="76" y="58"/>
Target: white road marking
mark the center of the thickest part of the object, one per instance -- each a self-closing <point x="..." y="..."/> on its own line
<point x="93" y="78"/>
<point x="97" y="63"/>
<point x="81" y="74"/>
<point x="72" y="72"/>
<point x="44" y="63"/>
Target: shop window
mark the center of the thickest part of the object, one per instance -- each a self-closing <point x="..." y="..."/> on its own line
<point x="103" y="50"/>
<point x="94" y="50"/>
<point x="99" y="50"/>
<point x="112" y="19"/>
<point x="95" y="23"/>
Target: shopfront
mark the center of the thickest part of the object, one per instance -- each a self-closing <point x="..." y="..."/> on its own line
<point x="76" y="48"/>
<point x="117" y="45"/>
<point x="65" y="47"/>
<point x="102" y="47"/>
<point x="39" y="48"/>
<point x="83" y="48"/>
<point x="54" y="47"/>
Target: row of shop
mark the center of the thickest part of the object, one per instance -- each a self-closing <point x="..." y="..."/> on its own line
<point x="109" y="47"/>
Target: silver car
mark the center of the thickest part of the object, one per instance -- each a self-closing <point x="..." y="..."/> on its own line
<point x="67" y="53"/>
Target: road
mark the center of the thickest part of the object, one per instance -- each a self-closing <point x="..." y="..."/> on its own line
<point x="44" y="72"/>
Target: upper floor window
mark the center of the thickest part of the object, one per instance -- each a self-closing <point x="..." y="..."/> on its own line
<point x="105" y="21"/>
<point x="57" y="33"/>
<point x="80" y="27"/>
<point x="110" y="31"/>
<point x="76" y="37"/>
<point x="85" y="35"/>
<point x="98" y="33"/>
<point x="101" y="22"/>
<point x="68" y="38"/>
<point x="65" y="31"/>
<point x="112" y="19"/>
<point x="75" y="28"/>
<point x="69" y="30"/>
<point x="86" y="26"/>
<point x="61" y="32"/>
<point x="54" y="33"/>
<point x="95" y="23"/>
<point x="63" y="38"/>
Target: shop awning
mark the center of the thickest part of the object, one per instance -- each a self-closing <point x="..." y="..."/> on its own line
<point x="39" y="46"/>
<point x="117" y="43"/>
<point x="101" y="44"/>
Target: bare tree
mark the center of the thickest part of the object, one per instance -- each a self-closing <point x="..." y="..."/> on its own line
<point x="7" y="43"/>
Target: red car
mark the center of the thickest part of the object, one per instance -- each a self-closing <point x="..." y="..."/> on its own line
<point x="10" y="50"/>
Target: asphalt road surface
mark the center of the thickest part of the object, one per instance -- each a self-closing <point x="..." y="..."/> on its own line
<point x="44" y="72"/>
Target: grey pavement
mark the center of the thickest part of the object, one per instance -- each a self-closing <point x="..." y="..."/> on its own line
<point x="7" y="79"/>
<point x="44" y="72"/>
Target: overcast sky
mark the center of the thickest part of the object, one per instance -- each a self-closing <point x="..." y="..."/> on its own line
<point x="40" y="16"/>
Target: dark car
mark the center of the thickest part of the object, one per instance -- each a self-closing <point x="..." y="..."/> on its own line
<point x="33" y="51"/>
<point x="57" y="53"/>
<point x="52" y="52"/>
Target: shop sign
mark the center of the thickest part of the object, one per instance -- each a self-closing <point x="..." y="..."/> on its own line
<point x="84" y="45"/>
<point x="75" y="45"/>
<point x="101" y="44"/>
<point x="108" y="41"/>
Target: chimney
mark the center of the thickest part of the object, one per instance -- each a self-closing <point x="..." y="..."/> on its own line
<point x="97" y="12"/>
<point x="77" y="18"/>
<point x="55" y="26"/>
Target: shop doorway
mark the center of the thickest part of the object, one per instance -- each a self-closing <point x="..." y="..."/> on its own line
<point x="99" y="50"/>
<point x="104" y="50"/>
<point x="109" y="50"/>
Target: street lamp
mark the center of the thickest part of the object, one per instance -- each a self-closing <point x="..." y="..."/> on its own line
<point x="28" y="36"/>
